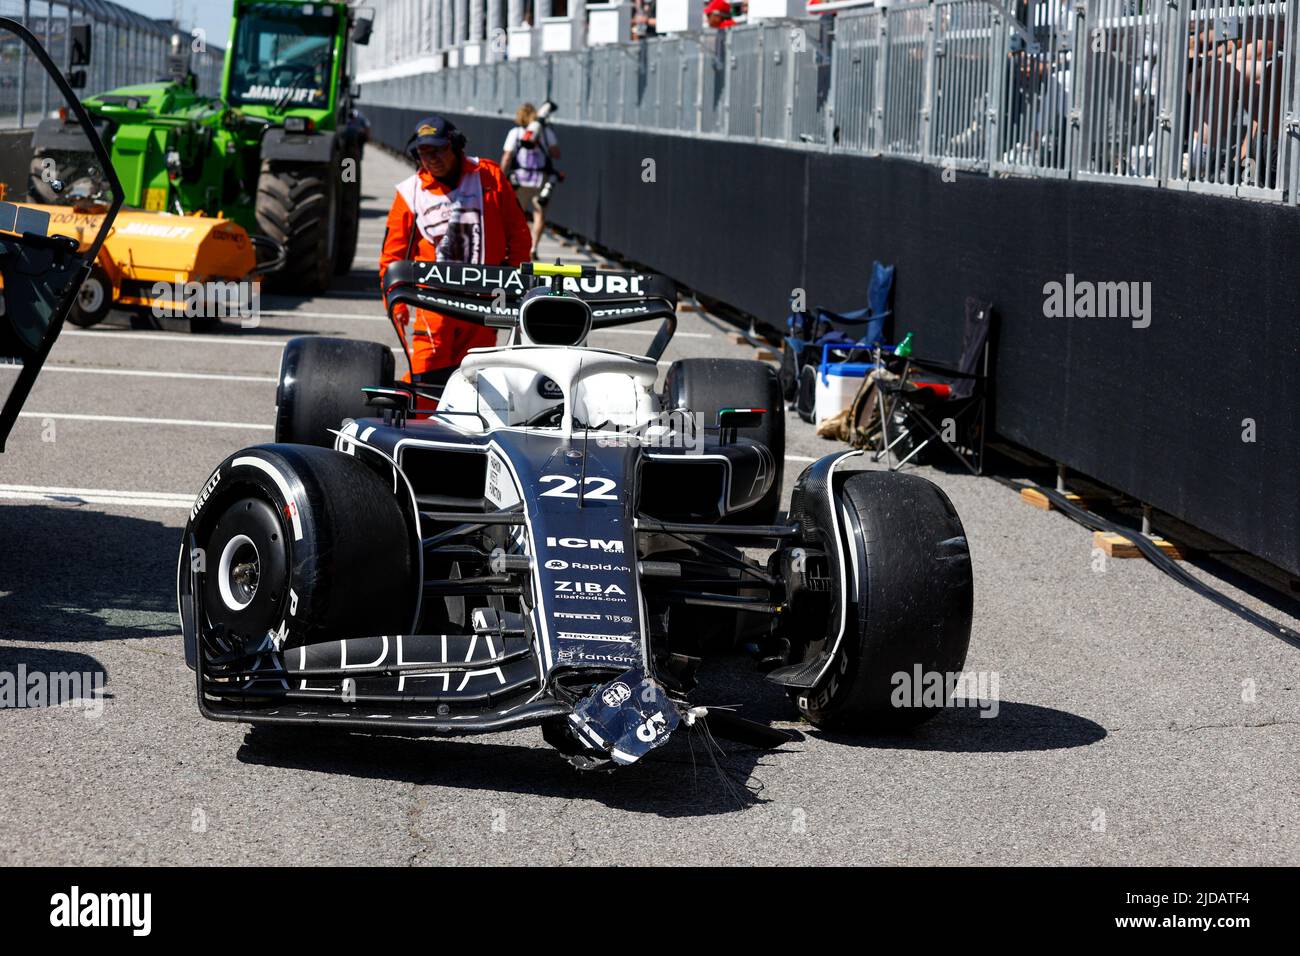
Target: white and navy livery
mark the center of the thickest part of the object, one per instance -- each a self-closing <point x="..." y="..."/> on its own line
<point x="551" y="538"/>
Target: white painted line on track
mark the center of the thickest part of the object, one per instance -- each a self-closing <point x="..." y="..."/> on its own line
<point x="293" y="314"/>
<point x="176" y="338"/>
<point x="97" y="496"/>
<point x="145" y="373"/>
<point x="799" y="458"/>
<point x="132" y="420"/>
<point x="182" y="338"/>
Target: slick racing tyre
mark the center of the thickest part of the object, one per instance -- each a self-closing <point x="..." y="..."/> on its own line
<point x="296" y="207"/>
<point x="789" y="373"/>
<point x="306" y="543"/>
<point x="320" y="385"/>
<point x="705" y="386"/>
<point x="908" y="608"/>
<point x="349" y="221"/>
<point x="94" y="299"/>
<point x="805" y="402"/>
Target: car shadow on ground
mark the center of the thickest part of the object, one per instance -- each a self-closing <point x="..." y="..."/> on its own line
<point x="680" y="779"/>
<point x="75" y="574"/>
<point x="1013" y="728"/>
<point x="695" y="774"/>
<point x="18" y="665"/>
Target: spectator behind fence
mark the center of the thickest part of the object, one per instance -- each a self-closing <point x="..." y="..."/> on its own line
<point x="643" y="19"/>
<point x="718" y="14"/>
<point x="1234" y="102"/>
<point x="530" y="150"/>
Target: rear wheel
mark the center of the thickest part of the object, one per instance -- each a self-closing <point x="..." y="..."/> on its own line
<point x="94" y="299"/>
<point x="908" y="610"/>
<point x="320" y="385"/>
<point x="706" y="386"/>
<point x="307" y="543"/>
<point x="349" y="222"/>
<point x="789" y="374"/>
<point x="296" y="206"/>
<point x="805" y="402"/>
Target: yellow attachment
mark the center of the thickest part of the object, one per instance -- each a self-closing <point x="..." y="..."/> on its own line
<point x="148" y="247"/>
<point x="556" y="269"/>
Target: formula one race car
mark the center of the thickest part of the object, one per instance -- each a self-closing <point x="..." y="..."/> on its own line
<point x="546" y="539"/>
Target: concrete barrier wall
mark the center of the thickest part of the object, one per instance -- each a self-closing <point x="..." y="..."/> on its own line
<point x="1160" y="412"/>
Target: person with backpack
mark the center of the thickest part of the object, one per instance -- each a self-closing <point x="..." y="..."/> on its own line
<point x="528" y="158"/>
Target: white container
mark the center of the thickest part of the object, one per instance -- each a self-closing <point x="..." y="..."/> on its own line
<point x="837" y="386"/>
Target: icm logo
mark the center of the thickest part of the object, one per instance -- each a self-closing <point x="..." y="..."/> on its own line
<point x="587" y="544"/>
<point x="555" y="564"/>
<point x="76" y="909"/>
<point x="616" y="694"/>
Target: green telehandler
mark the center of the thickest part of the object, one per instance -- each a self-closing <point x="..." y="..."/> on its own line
<point x="278" y="151"/>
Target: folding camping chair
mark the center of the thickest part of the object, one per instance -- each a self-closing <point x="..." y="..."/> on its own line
<point x="808" y="333"/>
<point x="926" y="392"/>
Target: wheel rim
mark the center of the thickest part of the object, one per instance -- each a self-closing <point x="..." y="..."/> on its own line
<point x="246" y="582"/>
<point x="239" y="572"/>
<point x="92" y="295"/>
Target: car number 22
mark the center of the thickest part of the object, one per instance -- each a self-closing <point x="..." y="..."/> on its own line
<point x="597" y="489"/>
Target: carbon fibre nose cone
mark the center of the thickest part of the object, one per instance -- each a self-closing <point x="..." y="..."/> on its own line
<point x="625" y="719"/>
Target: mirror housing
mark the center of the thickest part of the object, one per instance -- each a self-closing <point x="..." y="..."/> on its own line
<point x="362" y="27"/>
<point x="79" y="51"/>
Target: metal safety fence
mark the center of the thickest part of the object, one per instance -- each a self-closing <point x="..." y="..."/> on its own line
<point x="126" y="48"/>
<point x="1186" y="94"/>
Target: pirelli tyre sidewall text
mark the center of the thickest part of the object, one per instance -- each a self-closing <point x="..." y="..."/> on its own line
<point x="303" y="542"/>
<point x="908" y="603"/>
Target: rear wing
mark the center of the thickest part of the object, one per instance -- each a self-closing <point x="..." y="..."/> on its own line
<point x="490" y="295"/>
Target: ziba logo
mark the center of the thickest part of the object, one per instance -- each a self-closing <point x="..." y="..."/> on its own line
<point x="587" y="587"/>
<point x="75" y="909"/>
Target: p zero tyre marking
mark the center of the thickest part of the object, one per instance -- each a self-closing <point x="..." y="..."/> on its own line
<point x="840" y="546"/>
<point x="291" y="503"/>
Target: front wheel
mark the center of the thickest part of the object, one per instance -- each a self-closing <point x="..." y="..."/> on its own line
<point x="304" y="543"/>
<point x="905" y="604"/>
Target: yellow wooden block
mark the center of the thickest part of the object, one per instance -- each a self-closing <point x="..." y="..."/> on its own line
<point x="1119" y="546"/>
<point x="1039" y="500"/>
